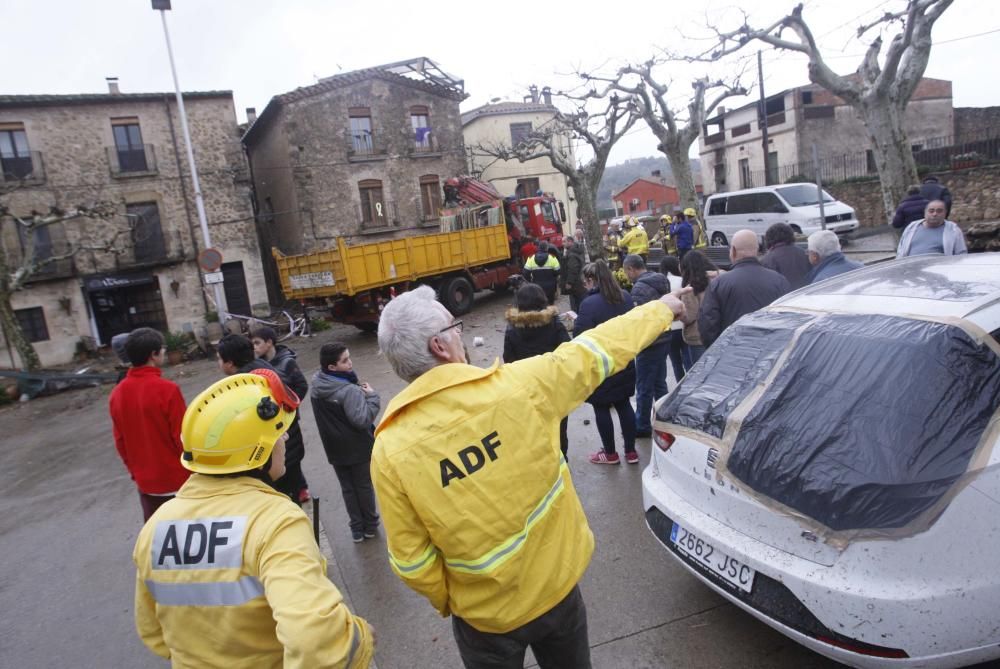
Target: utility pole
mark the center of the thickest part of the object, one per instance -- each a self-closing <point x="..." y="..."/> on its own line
<point x="762" y="118"/>
<point x="220" y="296"/>
<point x="819" y="188"/>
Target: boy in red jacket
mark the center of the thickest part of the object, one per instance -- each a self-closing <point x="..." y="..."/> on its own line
<point x="146" y="413"/>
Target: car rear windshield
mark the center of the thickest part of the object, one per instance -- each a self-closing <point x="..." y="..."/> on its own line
<point x="802" y="195"/>
<point x="731" y="368"/>
<point x="869" y="421"/>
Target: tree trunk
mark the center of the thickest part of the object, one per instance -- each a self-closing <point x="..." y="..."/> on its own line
<point x="586" y="210"/>
<point x="15" y="337"/>
<point x="680" y="165"/>
<point x="897" y="170"/>
<point x="11" y="326"/>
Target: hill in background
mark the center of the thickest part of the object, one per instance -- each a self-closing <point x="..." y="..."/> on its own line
<point x="618" y="176"/>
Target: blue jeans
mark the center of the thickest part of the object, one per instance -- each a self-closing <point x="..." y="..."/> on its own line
<point x="692" y="354"/>
<point x="650" y="382"/>
<point x="606" y="427"/>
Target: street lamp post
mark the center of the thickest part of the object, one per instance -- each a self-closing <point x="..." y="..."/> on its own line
<point x="220" y="297"/>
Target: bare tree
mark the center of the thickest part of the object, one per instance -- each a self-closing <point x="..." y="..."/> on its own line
<point x="878" y="92"/>
<point x="675" y="133"/>
<point x="600" y="131"/>
<point x="19" y="265"/>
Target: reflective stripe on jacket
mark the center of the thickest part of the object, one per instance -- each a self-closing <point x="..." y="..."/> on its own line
<point x="229" y="575"/>
<point x="480" y="512"/>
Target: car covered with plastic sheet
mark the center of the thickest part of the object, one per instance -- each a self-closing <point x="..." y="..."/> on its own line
<point x="832" y="464"/>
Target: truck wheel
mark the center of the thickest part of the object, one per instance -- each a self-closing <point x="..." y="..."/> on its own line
<point x="718" y="239"/>
<point x="367" y="326"/>
<point x="457" y="295"/>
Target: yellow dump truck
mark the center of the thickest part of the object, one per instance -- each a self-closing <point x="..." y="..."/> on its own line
<point x="472" y="252"/>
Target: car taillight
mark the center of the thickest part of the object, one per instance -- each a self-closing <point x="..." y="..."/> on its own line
<point x="862" y="648"/>
<point x="663" y="439"/>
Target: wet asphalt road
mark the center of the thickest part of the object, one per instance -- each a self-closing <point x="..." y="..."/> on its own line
<point x="69" y="516"/>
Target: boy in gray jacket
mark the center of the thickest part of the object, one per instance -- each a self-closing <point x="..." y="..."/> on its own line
<point x="345" y="412"/>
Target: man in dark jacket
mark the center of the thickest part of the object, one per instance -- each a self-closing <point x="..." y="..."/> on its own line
<point x="745" y="288"/>
<point x="684" y="235"/>
<point x="651" y="362"/>
<point x="827" y="258"/>
<point x="282" y="358"/>
<point x="542" y="269"/>
<point x="345" y="412"/>
<point x="235" y="355"/>
<point x="784" y="257"/>
<point x="572" y="272"/>
<point x="932" y="190"/>
<point x="910" y="209"/>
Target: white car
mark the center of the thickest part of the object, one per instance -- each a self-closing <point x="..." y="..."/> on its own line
<point x="757" y="209"/>
<point x="832" y="464"/>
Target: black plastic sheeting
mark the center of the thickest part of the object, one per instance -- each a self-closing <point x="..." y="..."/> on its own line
<point x="870" y="421"/>
<point x="736" y="363"/>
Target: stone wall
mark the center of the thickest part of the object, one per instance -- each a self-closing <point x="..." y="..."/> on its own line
<point x="975" y="123"/>
<point x="311" y="136"/>
<point x="73" y="140"/>
<point x="975" y="195"/>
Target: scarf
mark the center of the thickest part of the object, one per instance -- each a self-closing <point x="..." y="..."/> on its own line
<point x="350" y="377"/>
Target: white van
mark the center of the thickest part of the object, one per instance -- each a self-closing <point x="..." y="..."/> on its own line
<point x="759" y="208"/>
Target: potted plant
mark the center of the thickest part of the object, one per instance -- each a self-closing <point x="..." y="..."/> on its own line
<point x="962" y="161"/>
<point x="176" y="343"/>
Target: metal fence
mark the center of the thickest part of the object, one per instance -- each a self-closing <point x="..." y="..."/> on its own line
<point x="933" y="154"/>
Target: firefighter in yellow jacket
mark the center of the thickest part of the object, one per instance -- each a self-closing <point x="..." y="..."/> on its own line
<point x="635" y="241"/>
<point x="229" y="574"/>
<point x="700" y="234"/>
<point x="480" y="512"/>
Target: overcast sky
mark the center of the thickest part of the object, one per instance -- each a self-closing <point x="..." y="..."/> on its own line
<point x="259" y="49"/>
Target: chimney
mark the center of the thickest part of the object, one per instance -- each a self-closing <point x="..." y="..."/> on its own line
<point x="534" y="93"/>
<point x="113" y="85"/>
<point x="547" y="95"/>
<point x="722" y="110"/>
<point x="251" y="115"/>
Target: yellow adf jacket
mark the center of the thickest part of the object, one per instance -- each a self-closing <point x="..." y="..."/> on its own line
<point x="230" y="576"/>
<point x="635" y="241"/>
<point x="478" y="504"/>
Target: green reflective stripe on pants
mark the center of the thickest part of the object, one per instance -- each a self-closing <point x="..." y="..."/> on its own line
<point x="607" y="364"/>
<point x="211" y="593"/>
<point x="504" y="551"/>
<point x="407" y="569"/>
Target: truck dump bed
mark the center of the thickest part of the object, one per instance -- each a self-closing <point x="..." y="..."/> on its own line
<point x="347" y="270"/>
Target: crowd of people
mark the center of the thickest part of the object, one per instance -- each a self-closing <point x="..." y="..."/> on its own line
<point x="227" y="569"/>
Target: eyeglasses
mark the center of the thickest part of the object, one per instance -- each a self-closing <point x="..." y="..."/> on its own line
<point x="457" y="325"/>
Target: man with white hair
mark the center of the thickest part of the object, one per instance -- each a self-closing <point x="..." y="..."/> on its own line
<point x="479" y="508"/>
<point x="932" y="234"/>
<point x="826" y="257"/>
<point x="746" y="287"/>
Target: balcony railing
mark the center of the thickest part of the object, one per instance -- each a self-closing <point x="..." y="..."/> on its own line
<point x="365" y="147"/>
<point x="128" y="162"/>
<point x="428" y="145"/>
<point x="26" y="169"/>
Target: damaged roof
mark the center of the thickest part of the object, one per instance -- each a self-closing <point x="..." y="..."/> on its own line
<point x="422" y="73"/>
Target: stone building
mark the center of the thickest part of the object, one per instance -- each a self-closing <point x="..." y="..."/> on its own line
<point x="360" y="155"/>
<point x="731" y="148"/>
<point x="507" y="123"/>
<point x="126" y="149"/>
